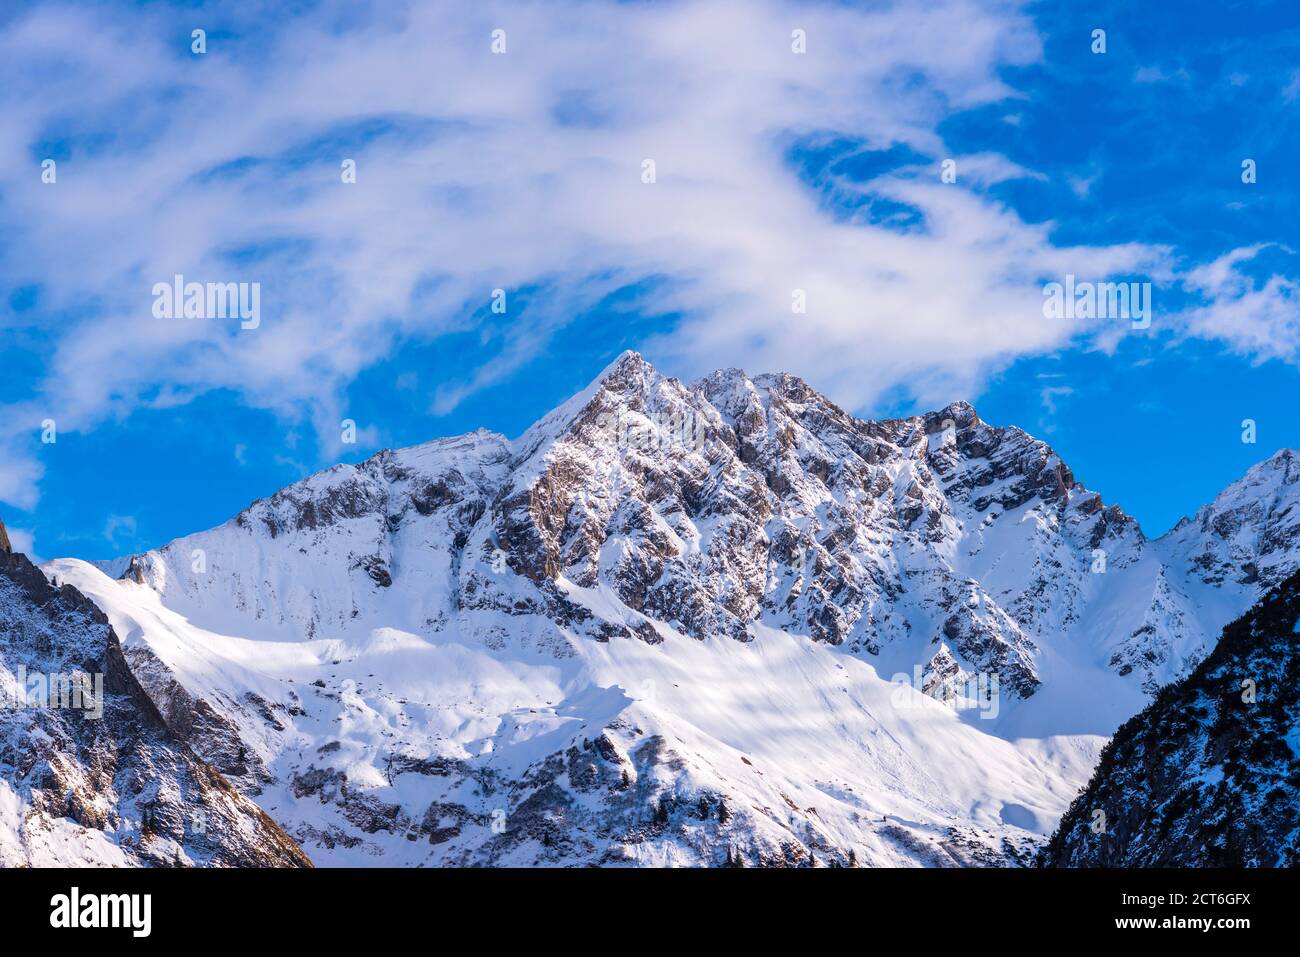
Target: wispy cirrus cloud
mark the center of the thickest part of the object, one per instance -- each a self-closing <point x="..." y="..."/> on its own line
<point x="519" y="171"/>
<point x="1255" y="314"/>
<point x="120" y="530"/>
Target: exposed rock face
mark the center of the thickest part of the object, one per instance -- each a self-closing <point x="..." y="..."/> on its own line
<point x="713" y="507"/>
<point x="1209" y="774"/>
<point x="736" y="501"/>
<point x="5" y="547"/>
<point x="666" y="597"/>
<point x="88" y="770"/>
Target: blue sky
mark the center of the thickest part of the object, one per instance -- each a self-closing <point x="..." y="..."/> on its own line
<point x="775" y="171"/>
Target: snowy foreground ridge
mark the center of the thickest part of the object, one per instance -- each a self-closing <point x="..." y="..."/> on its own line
<point x="660" y="628"/>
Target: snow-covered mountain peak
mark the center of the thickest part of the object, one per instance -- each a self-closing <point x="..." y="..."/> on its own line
<point x="1249" y="536"/>
<point x="628" y="384"/>
<point x="627" y="362"/>
<point x="659" y="591"/>
<point x="1267" y="485"/>
<point x="959" y="414"/>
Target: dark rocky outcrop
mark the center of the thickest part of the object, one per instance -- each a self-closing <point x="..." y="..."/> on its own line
<point x="1209" y="774"/>
<point x="105" y="761"/>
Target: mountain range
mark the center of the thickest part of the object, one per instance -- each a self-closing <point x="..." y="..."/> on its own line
<point x="714" y="623"/>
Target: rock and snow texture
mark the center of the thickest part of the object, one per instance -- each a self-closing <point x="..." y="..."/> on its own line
<point x="89" y="773"/>
<point x="660" y="628"/>
<point x="1209" y="774"/>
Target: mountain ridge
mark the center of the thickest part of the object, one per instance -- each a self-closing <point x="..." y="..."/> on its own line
<point x="594" y="623"/>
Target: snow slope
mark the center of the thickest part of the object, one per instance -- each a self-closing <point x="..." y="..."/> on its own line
<point x="96" y="778"/>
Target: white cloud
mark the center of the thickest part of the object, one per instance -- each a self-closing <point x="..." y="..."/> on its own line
<point x="1049" y="395"/>
<point x="1255" y="316"/>
<point x="20" y="473"/>
<point x="118" y="525"/>
<point x="22" y="541"/>
<point x="1154" y="74"/>
<point x="1081" y="186"/>
<point x="1291" y="92"/>
<point x="526" y="173"/>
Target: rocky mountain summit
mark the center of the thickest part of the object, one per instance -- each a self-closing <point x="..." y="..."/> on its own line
<point x="1208" y="775"/>
<point x="713" y="507"/>
<point x="684" y="623"/>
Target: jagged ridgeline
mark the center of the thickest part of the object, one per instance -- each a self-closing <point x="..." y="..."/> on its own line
<point x="665" y="599"/>
<point x="1209" y="774"/>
